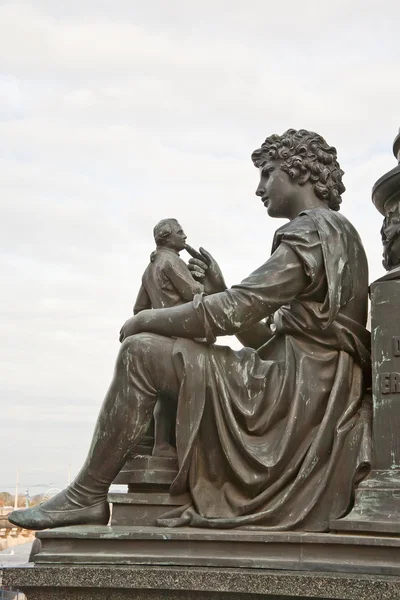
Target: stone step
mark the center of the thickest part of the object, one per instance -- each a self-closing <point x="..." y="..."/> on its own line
<point x="144" y="472"/>
<point x="254" y="549"/>
<point x="142" y="508"/>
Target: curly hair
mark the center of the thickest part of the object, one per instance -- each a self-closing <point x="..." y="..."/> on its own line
<point x="305" y="155"/>
<point x="390" y="233"/>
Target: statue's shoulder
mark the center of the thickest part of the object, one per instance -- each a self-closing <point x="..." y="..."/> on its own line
<point x="174" y="261"/>
<point x="318" y="225"/>
<point x="302" y="228"/>
<point x="168" y="262"/>
<point x="330" y="222"/>
<point x="327" y="217"/>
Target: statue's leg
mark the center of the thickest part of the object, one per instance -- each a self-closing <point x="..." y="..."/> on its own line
<point x="164" y="422"/>
<point x="144" y="367"/>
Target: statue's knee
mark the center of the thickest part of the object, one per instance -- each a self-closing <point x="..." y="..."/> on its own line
<point x="135" y="345"/>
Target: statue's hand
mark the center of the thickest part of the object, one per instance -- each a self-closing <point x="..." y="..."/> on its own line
<point x="132" y="326"/>
<point x="204" y="267"/>
<point x="197" y="264"/>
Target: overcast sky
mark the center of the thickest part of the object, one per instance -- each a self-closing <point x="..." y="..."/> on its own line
<point x="114" y="115"/>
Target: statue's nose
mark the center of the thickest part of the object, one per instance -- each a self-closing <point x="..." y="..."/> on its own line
<point x="260" y="191"/>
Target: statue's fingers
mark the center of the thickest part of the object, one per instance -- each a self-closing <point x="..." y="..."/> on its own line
<point x="193" y="252"/>
<point x="194" y="269"/>
<point x="197" y="266"/>
<point x="198" y="263"/>
<point x="206" y="256"/>
<point x="197" y="275"/>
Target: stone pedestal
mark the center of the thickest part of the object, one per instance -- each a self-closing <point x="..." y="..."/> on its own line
<point x="148" y="479"/>
<point x="181" y="583"/>
<point x="148" y="473"/>
<point x="218" y="548"/>
<point x="377" y="502"/>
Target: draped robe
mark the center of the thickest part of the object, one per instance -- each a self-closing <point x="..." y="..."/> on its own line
<point x="278" y="437"/>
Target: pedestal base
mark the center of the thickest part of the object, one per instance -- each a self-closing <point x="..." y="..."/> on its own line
<point x="377" y="505"/>
<point x="218" y="548"/>
<point x="178" y="583"/>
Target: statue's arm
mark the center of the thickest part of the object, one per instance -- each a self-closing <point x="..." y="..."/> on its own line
<point x="278" y="281"/>
<point x="143" y="301"/>
<point x="255" y="336"/>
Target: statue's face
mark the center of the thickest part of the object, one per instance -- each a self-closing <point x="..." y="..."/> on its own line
<point x="392" y="244"/>
<point x="177" y="238"/>
<point x="276" y="190"/>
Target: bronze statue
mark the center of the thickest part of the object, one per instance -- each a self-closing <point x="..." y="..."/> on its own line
<point x="386" y="197"/>
<point x="390" y="233"/>
<point x="167" y="281"/>
<point x="275" y="435"/>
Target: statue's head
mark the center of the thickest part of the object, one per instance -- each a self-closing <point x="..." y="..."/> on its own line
<point x="169" y="233"/>
<point x="306" y="159"/>
<point x="390" y="233"/>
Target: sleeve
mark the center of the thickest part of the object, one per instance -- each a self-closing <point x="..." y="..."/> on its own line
<point x="180" y="277"/>
<point x="278" y="281"/>
<point x="305" y="242"/>
<point x="142" y="301"/>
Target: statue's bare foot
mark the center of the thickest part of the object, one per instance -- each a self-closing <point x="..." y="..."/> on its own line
<point x="60" y="511"/>
<point x="165" y="450"/>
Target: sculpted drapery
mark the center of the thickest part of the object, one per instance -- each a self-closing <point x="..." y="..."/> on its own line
<point x="278" y="437"/>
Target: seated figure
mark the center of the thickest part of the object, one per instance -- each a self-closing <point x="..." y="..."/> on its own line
<point x="275" y="435"/>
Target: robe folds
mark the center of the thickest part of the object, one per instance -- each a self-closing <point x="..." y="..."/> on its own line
<point x="278" y="437"/>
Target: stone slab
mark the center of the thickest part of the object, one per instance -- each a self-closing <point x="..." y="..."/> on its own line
<point x="186" y="583"/>
<point x="377" y="506"/>
<point x="139" y="509"/>
<point x="214" y="548"/>
<point x="144" y="472"/>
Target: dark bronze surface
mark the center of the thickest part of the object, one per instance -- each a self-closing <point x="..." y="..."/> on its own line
<point x="278" y="434"/>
